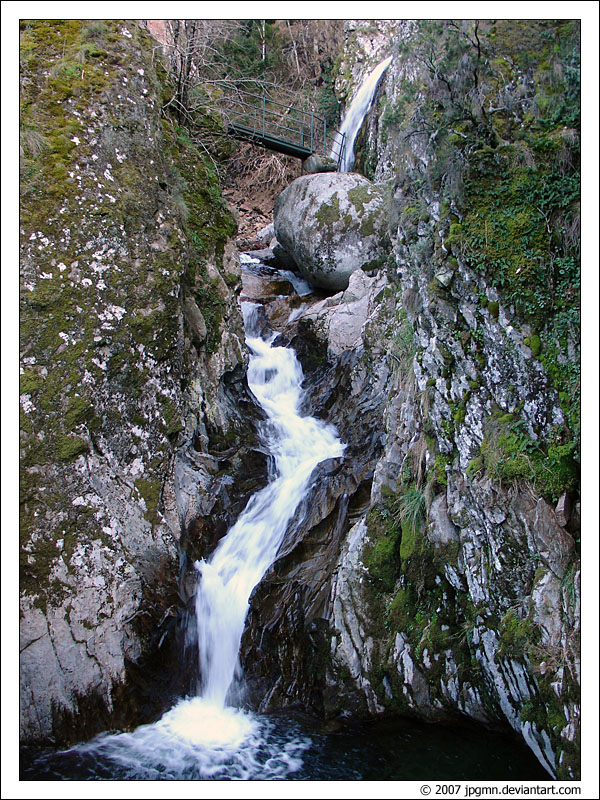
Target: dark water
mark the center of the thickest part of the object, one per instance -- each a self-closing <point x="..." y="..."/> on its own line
<point x="294" y="747"/>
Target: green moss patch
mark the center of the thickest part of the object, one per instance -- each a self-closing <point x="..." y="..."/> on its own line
<point x="329" y="213"/>
<point x="382" y="557"/>
<point x="517" y="636"/>
<point x="68" y="448"/>
<point x="508" y="454"/>
<point x="150" y="490"/>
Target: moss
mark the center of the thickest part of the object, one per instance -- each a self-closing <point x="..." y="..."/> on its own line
<point x="453" y="239"/>
<point x="535" y="345"/>
<point x="150" y="490"/>
<point x="156" y="330"/>
<point x="78" y="411"/>
<point x="494" y="309"/>
<point x="400" y="612"/>
<point x="359" y="196"/>
<point x="459" y="415"/>
<point x="213" y="307"/>
<point x="409" y="540"/>
<point x="517" y="636"/>
<point x="30" y="382"/>
<point x="209" y="222"/>
<point x="329" y="213"/>
<point x="508" y="454"/>
<point x="439" y="470"/>
<point x="446" y="354"/>
<point x="475" y="466"/>
<point x="381" y="556"/>
<point x="68" y="448"/>
<point x="172" y="417"/>
<point x="367" y="227"/>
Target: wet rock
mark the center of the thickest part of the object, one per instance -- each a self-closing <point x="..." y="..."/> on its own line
<point x="266" y="235"/>
<point x="195" y="320"/>
<point x="342" y="316"/>
<point x="283" y="259"/>
<point x="443" y="530"/>
<point x="264" y="287"/>
<point x="125" y="352"/>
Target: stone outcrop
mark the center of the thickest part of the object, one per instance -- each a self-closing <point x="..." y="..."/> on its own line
<point x="332" y="224"/>
<point x="462" y="615"/>
<point x="314" y="164"/>
<point x="131" y="352"/>
<point x="455" y="587"/>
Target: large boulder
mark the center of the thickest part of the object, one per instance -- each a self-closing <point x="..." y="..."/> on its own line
<point x="332" y="224"/>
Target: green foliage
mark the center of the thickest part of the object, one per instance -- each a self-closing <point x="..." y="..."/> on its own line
<point x="328" y="105"/>
<point x="32" y="142"/>
<point x="68" y="448"/>
<point x="254" y="50"/>
<point x="96" y="30"/>
<point x="382" y="557"/>
<point x="403" y="346"/>
<point x="409" y="509"/>
<point x="150" y="490"/>
<point x="517" y="636"/>
<point x="500" y="103"/>
<point x="509" y="454"/>
<point x="394" y="114"/>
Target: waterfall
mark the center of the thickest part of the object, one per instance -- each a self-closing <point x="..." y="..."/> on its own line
<point x="358" y="110"/>
<point x="203" y="737"/>
<point x="297" y="444"/>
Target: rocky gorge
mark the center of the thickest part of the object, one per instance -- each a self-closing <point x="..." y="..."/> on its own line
<point x="432" y="572"/>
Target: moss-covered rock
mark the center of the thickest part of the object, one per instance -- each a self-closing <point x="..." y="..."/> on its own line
<point x="331" y="225"/>
<point x="119" y="210"/>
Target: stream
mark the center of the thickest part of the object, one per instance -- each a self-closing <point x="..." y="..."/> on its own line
<point x="208" y="737"/>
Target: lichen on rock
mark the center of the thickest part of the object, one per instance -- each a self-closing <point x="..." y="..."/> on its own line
<point x="114" y="200"/>
<point x="332" y="224"/>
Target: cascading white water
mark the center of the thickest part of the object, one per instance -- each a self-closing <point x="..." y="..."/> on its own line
<point x="202" y="737"/>
<point x="297" y="444"/>
<point x="359" y="108"/>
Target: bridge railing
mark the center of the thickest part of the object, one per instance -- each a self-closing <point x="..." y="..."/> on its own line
<point x="270" y="121"/>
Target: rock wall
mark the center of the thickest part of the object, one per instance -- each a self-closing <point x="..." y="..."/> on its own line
<point x="128" y="324"/>
<point x="438" y="574"/>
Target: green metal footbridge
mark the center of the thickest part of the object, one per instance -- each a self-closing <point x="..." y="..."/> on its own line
<point x="282" y="128"/>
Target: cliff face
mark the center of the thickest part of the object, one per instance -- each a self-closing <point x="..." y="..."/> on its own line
<point x="441" y="575"/>
<point x="127" y="326"/>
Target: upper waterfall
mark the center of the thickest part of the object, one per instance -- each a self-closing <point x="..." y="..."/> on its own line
<point x="358" y="110"/>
